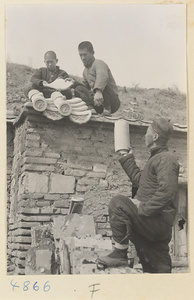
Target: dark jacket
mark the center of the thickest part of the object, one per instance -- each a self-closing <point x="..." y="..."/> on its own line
<point x="43" y="74"/>
<point x="157" y="183"/>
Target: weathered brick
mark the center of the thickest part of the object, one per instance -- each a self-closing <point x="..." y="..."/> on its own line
<point x="78" y="173"/>
<point x="20" y="246"/>
<point x="42" y="168"/>
<point x="32" y="137"/>
<point x="33" y="152"/>
<point x="62" y="184"/>
<point x="21" y="239"/>
<point x="99" y="168"/>
<point x="32" y="196"/>
<point x="31" y="130"/>
<point x="81" y="188"/>
<point x="103" y="183"/>
<point x="29" y="210"/>
<point x="91" y="159"/>
<point x="61" y="203"/>
<point x="34" y="218"/>
<point x="64" y="211"/>
<point x="47" y="210"/>
<point x="43" y="203"/>
<point x="101" y="219"/>
<point x="81" y="166"/>
<point x="20" y="231"/>
<point x="20" y="262"/>
<point x="88" y="181"/>
<point x="27" y="203"/>
<point x="96" y="174"/>
<point x="52" y="155"/>
<point x="104" y="225"/>
<point x="53" y="196"/>
<point x="31" y="144"/>
<point x="19" y="271"/>
<point x="40" y="160"/>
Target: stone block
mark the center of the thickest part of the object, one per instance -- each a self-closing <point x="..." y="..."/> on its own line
<point x="73" y="225"/>
<point x="52" y="155"/>
<point x="31" y="144"/>
<point x="40" y="160"/>
<point x="43" y="261"/>
<point x="32" y="137"/>
<point x="38" y="218"/>
<point x="76" y="173"/>
<point x="29" y="210"/>
<point x="61" y="203"/>
<point x="81" y="188"/>
<point x="53" y="197"/>
<point x="42" y="168"/>
<point x="96" y="174"/>
<point x="47" y="210"/>
<point x="100" y="168"/>
<point x="22" y="239"/>
<point x="32" y="196"/>
<point x="62" y="184"/>
<point x="19" y="246"/>
<point x="20" y="231"/>
<point x="64" y="211"/>
<point x="81" y="166"/>
<point x="43" y="203"/>
<point x="34" y="183"/>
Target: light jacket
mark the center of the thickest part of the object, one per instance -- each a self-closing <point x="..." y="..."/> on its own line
<point x="98" y="75"/>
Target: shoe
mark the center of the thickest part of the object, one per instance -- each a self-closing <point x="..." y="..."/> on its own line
<point x="117" y="258"/>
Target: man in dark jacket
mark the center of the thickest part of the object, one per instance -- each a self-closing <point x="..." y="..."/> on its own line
<point x="43" y="76"/>
<point x="98" y="87"/>
<point x="147" y="219"/>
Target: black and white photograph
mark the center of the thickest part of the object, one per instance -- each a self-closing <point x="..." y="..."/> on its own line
<point x="96" y="142"/>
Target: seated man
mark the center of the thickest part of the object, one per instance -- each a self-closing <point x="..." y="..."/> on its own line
<point x="99" y="88"/>
<point x="147" y="219"/>
<point x="43" y="76"/>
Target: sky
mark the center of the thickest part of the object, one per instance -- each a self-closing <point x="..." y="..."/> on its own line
<point x="143" y="45"/>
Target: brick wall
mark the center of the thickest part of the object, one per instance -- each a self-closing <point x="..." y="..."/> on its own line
<point x="54" y="161"/>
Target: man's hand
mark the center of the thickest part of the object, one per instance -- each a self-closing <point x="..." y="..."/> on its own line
<point x="70" y="79"/>
<point x="125" y="152"/>
<point x="98" y="98"/>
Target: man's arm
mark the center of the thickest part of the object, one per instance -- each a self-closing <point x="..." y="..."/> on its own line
<point x="128" y="163"/>
<point x="101" y="76"/>
<point x="167" y="171"/>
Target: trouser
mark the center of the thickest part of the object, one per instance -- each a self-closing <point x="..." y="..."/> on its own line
<point x="150" y="235"/>
<point x="45" y="90"/>
<point x="111" y="99"/>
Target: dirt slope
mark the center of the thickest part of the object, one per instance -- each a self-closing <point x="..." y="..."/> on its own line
<point x="136" y="103"/>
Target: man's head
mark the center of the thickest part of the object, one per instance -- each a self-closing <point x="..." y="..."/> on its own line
<point x="158" y="133"/>
<point x="50" y="59"/>
<point x="86" y="52"/>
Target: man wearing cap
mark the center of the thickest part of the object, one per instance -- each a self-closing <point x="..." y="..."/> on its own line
<point x="147" y="219"/>
<point x="43" y="76"/>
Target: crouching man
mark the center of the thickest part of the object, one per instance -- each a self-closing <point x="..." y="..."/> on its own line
<point x="147" y="219"/>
